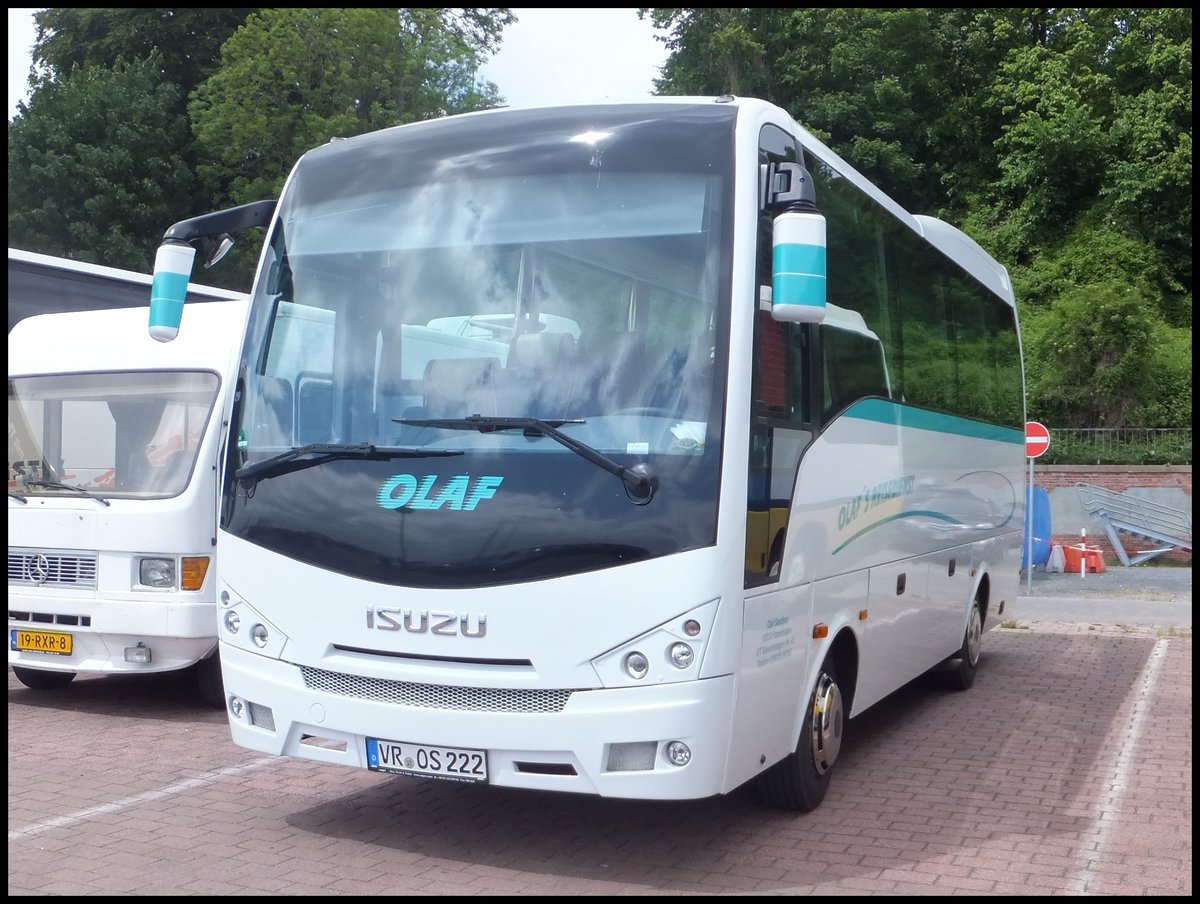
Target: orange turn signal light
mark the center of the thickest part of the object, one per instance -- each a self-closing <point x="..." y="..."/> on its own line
<point x="193" y="571"/>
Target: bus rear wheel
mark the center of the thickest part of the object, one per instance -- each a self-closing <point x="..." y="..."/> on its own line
<point x="41" y="679"/>
<point x="209" y="682"/>
<point x="800" y="780"/>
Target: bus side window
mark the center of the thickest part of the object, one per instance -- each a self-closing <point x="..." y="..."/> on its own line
<point x="852" y="368"/>
<point x="780" y="430"/>
<point x="274" y="420"/>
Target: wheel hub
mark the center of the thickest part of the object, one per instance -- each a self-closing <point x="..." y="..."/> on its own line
<point x="827" y="719"/>
<point x="974" y="636"/>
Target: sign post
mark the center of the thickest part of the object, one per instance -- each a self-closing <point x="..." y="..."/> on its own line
<point x="1037" y="441"/>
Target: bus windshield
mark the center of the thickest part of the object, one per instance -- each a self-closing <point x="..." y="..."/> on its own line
<point x="574" y="275"/>
<point x="115" y="435"/>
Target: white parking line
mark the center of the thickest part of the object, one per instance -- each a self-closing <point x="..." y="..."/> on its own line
<point x="59" y="821"/>
<point x="1107" y="804"/>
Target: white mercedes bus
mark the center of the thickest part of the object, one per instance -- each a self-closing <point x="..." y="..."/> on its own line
<point x="114" y="442"/>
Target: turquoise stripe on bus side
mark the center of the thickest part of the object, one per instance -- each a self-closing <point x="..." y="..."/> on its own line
<point x="885" y="412"/>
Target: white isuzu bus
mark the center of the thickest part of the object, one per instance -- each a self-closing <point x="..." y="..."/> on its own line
<point x="738" y="453"/>
<point x="113" y="448"/>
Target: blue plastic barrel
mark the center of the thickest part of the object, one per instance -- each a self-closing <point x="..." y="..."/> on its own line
<point x="1037" y="510"/>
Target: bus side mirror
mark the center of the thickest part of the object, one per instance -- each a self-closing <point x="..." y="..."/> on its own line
<point x="172" y="272"/>
<point x="173" y="263"/>
<point x="220" y="247"/>
<point x="798" y="267"/>
<point x="797" y="244"/>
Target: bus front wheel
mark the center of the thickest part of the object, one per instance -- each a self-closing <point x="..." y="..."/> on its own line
<point x="965" y="663"/>
<point x="799" y="781"/>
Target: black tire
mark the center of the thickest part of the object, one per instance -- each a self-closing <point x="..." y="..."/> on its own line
<point x="209" y="683"/>
<point x="800" y="780"/>
<point x="41" y="679"/>
<point x="965" y="663"/>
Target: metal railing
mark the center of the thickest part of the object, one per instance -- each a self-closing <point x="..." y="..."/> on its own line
<point x="1119" y="446"/>
<point x="1119" y="513"/>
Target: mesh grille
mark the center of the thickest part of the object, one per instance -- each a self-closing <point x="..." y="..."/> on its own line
<point x="438" y="696"/>
<point x="262" y="716"/>
<point x="50" y="568"/>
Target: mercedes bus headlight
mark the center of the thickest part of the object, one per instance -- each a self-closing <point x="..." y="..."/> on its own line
<point x="157" y="572"/>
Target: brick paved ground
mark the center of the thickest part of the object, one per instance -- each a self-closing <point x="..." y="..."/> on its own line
<point x="1066" y="770"/>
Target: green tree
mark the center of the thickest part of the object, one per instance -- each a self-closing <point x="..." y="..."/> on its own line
<point x="107" y="130"/>
<point x="291" y="79"/>
<point x="94" y="169"/>
<point x="188" y="41"/>
<point x="1095" y="366"/>
<point x="1059" y="138"/>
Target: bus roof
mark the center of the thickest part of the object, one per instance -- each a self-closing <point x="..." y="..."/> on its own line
<point x="41" y="284"/>
<point x="116" y="339"/>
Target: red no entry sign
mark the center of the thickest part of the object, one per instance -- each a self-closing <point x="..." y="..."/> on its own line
<point x="1037" y="439"/>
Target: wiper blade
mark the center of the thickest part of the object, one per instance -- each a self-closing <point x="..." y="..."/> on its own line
<point x="319" y="453"/>
<point x="17" y="496"/>
<point x="640" y="484"/>
<point x="56" y="485"/>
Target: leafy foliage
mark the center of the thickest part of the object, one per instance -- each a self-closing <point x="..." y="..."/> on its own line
<point x="96" y="172"/>
<point x="139" y="118"/>
<point x="1058" y="138"/>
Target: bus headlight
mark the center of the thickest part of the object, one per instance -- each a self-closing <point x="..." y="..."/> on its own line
<point x="259" y="635"/>
<point x="636" y="665"/>
<point x="156" y="572"/>
<point x="681" y="655"/>
<point x="671" y="652"/>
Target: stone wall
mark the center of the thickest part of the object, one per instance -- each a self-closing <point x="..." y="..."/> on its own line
<point x="1169" y="485"/>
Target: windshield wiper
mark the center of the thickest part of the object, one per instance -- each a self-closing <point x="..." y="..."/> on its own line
<point x="319" y="453"/>
<point x="17" y="496"/>
<point x="640" y="484"/>
<point x="55" y="485"/>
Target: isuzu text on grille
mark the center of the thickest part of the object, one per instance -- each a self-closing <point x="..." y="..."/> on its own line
<point x="424" y="621"/>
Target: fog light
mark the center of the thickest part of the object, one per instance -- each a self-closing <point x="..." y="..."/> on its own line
<point x="156" y="573"/>
<point x="259" y="635"/>
<point x="237" y="707"/>
<point x="233" y="621"/>
<point x="141" y="653"/>
<point x="679" y="753"/>
<point x="681" y="655"/>
<point x="637" y="665"/>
